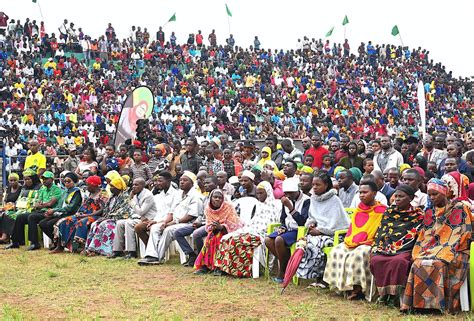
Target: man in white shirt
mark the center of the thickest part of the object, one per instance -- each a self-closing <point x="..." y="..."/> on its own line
<point x="388" y="156"/>
<point x="144" y="209"/>
<point x="185" y="212"/>
<point x="413" y="178"/>
<point x="166" y="200"/>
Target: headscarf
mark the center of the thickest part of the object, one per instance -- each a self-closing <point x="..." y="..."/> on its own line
<point x="262" y="160"/>
<point x="438" y="185"/>
<point x="457" y="184"/>
<point x="338" y="169"/>
<point x="356" y="174"/>
<point x="225" y="214"/>
<point x="398" y="229"/>
<point x="94" y="180"/>
<point x="29" y="172"/>
<point x="72" y="176"/>
<point x="403" y="167"/>
<point x="14" y="176"/>
<point x="307" y="169"/>
<point x="407" y="189"/>
<point x="111" y="175"/>
<point x="190" y="175"/>
<point x="118" y="183"/>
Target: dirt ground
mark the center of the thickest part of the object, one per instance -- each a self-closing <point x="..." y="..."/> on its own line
<point x="37" y="285"/>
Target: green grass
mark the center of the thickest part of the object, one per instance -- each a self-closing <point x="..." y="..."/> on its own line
<point x="39" y="286"/>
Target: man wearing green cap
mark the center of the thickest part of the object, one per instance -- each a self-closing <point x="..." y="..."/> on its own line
<point x="48" y="197"/>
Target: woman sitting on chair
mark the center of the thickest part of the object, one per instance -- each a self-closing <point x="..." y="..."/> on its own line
<point x="293" y="215"/>
<point x="326" y="216"/>
<point x="391" y="256"/>
<point x="221" y="218"/>
<point x="440" y="255"/>
<point x="236" y="250"/>
<point x="347" y="268"/>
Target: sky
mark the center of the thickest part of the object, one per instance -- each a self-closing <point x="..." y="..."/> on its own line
<point x="443" y="29"/>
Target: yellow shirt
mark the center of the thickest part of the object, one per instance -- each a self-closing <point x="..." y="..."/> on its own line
<point x="78" y="140"/>
<point x="37" y="160"/>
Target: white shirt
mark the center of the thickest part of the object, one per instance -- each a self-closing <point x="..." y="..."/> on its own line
<point x="189" y="204"/>
<point x="166" y="202"/>
<point x="378" y="197"/>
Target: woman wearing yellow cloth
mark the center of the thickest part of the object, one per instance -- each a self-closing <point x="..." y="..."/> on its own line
<point x="23" y="204"/>
<point x="101" y="235"/>
<point x="347" y="268"/>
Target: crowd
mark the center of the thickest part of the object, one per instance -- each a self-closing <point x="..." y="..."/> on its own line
<point x="376" y="199"/>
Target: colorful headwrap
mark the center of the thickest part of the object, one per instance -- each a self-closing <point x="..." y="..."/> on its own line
<point x="126" y="179"/>
<point x="458" y="184"/>
<point x="438" y="185"/>
<point x="29" y="172"/>
<point x="356" y="174"/>
<point x="307" y="169"/>
<point x="118" y="183"/>
<point x="338" y="169"/>
<point x="94" y="180"/>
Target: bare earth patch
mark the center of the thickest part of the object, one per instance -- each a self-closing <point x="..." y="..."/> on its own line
<point x="36" y="285"/>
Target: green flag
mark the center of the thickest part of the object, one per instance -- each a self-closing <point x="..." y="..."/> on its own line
<point x="345" y="21"/>
<point x="173" y="17"/>
<point x="228" y="11"/>
<point x="395" y="30"/>
<point x="329" y="33"/>
<point x="34" y="1"/>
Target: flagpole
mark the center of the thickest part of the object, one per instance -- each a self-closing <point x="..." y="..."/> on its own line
<point x="228" y="23"/>
<point x="401" y="40"/>
<point x="41" y="11"/>
<point x="344" y="33"/>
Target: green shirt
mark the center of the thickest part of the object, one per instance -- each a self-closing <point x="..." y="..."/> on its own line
<point x="46" y="194"/>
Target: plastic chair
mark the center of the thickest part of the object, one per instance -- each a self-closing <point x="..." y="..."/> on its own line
<point x="27" y="241"/>
<point x="271" y="228"/>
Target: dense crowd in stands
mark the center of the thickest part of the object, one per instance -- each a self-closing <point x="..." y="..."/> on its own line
<point x="368" y="197"/>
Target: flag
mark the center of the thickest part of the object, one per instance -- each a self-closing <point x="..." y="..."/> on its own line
<point x="138" y="105"/>
<point x="329" y="33"/>
<point x="173" y="17"/>
<point x="228" y="11"/>
<point x="395" y="30"/>
<point x="34" y="1"/>
<point x="420" y="94"/>
<point x="345" y="21"/>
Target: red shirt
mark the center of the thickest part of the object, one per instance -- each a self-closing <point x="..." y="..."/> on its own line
<point x="317" y="154"/>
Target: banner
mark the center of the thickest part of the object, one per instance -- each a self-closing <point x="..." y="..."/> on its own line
<point x="138" y="105"/>
<point x="422" y="105"/>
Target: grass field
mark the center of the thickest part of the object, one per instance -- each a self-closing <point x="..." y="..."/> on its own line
<point x="36" y="285"/>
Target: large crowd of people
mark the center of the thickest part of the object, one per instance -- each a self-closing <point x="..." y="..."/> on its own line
<point x="378" y="200"/>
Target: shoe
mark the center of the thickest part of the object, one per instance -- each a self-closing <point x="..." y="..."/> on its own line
<point x="115" y="255"/>
<point x="130" y="255"/>
<point x="12" y="246"/>
<point x="33" y="247"/>
<point x="277" y="280"/>
<point x="56" y="250"/>
<point x="191" y="259"/>
<point x="219" y="273"/>
<point x="149" y="261"/>
<point x="202" y="271"/>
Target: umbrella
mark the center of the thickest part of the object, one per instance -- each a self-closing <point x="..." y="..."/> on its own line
<point x="293" y="263"/>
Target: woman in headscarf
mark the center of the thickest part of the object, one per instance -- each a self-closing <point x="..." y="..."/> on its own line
<point x="440" y="255"/>
<point x="352" y="159"/>
<point x="221" y="218"/>
<point x="110" y="176"/>
<point x="23" y="204"/>
<point x="265" y="156"/>
<point x="391" y="256"/>
<point x="10" y="197"/>
<point x="458" y="185"/>
<point x="102" y="233"/>
<point x="71" y="202"/>
<point x="236" y="250"/>
<point x="326" y="216"/>
<point x="347" y="269"/>
<point x="72" y="231"/>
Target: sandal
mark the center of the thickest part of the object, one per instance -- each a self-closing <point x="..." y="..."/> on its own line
<point x="318" y="285"/>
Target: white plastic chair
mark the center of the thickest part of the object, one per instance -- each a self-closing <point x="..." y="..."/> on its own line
<point x="46" y="241"/>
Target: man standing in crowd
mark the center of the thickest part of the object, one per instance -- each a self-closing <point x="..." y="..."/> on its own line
<point x="388" y="156"/>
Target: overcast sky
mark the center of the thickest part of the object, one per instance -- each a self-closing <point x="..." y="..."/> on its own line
<point x="444" y="29"/>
